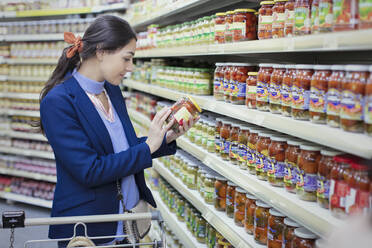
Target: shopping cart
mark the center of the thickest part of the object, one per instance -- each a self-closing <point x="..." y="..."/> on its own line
<point x="16" y="219"/>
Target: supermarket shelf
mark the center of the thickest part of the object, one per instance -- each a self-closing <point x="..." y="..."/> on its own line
<point x="27" y="79"/>
<point x="29" y="113"/>
<point x="179" y="228"/>
<point x="26" y="174"/>
<point x="30" y="96"/>
<point x="337" y="41"/>
<point x="26" y="199"/>
<point x="358" y="144"/>
<point x="35" y="37"/>
<point x="33" y="61"/>
<point x="219" y="220"/>
<point x="23" y="135"/>
<point x="3" y="77"/>
<point x="28" y="153"/>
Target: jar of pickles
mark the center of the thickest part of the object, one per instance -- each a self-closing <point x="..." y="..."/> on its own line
<point x="219" y="32"/>
<point x="218" y="81"/>
<point x="302" y="17"/>
<point x="261" y="216"/>
<point x="288" y="232"/>
<point x="301" y="92"/>
<point x="286" y="90"/>
<point x="239" y="208"/>
<point x="242" y="146"/>
<point x="244" y="25"/>
<point x="225" y="139"/>
<point x="192" y="171"/>
<point x="198" y="132"/>
<point x="220" y="186"/>
<point x="368" y="105"/>
<point x="276" y="171"/>
<point x="251" y="90"/>
<point x="289" y="18"/>
<point x="210" y="136"/>
<point x="308" y="161"/>
<point x="265" y="20"/>
<point x="263" y="81"/>
<point x="200" y="229"/>
<point x="234" y="143"/>
<point x="181" y="209"/>
<point x="217" y="138"/>
<point x="209" y="190"/>
<point x="278" y="18"/>
<point x="252" y="150"/>
<point x="303" y="238"/>
<point x="353" y="93"/>
<point x="275" y="229"/>
<point x="291" y="169"/>
<point x="262" y="155"/>
<point x="345" y="15"/>
<point x="230" y="199"/>
<point x="275" y="88"/>
<point x="250" y="207"/>
<point x="318" y="93"/>
<point x="238" y="82"/>
<point x="334" y="95"/>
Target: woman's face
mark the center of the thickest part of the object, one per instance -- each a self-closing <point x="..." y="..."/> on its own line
<point x="115" y="65"/>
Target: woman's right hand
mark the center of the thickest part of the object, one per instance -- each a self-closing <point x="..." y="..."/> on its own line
<point x="157" y="129"/>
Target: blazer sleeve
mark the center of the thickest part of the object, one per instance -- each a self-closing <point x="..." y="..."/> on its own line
<point x="74" y="151"/>
<point x="164" y="150"/>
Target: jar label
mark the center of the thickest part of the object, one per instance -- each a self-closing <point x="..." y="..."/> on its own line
<point x="368" y="110"/>
<point x="275" y="96"/>
<point x="242" y="152"/>
<point x="210" y="143"/>
<point x="289" y="17"/>
<point x="226" y="146"/>
<point x="251" y="158"/>
<point x="310" y="182"/>
<point x="302" y="19"/>
<point x="333" y="102"/>
<point x="238" y="89"/>
<point x="226" y="85"/>
<point x="351" y="106"/>
<point x="239" y="28"/>
<point x="219" y="29"/>
<point x="182" y="115"/>
<point x="314" y="18"/>
<point x="181" y="211"/>
<point x="234" y="150"/>
<point x="260" y="222"/>
<point x="229" y="200"/>
<point x="362" y="201"/>
<point x="342" y="12"/>
<point x="365" y="10"/>
<point x="262" y="92"/>
<point x="259" y="162"/>
<point x="265" y="19"/>
<point x="200" y="233"/>
<point x="300" y="180"/>
<point x="209" y="193"/>
<point x="251" y="90"/>
<point x="276" y="169"/>
<point x="300" y="98"/>
<point x="350" y="200"/>
<point x="318" y="100"/>
<point x="294" y="171"/>
<point x="218" y="144"/>
<point x="288" y="173"/>
<point x="198" y="138"/>
<point x="278" y="20"/>
<point x="323" y="188"/>
<point x="286" y="94"/>
<point x="325" y="14"/>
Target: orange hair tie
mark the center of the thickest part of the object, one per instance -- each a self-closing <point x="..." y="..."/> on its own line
<point x="77" y="44"/>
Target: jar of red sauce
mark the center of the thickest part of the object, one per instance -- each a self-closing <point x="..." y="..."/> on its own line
<point x="262" y="155"/>
<point x="263" y="81"/>
<point x="251" y="90"/>
<point x="243" y="146"/>
<point x="303" y="238"/>
<point x="275" y="229"/>
<point x="225" y="139"/>
<point x="289" y="18"/>
<point x="219" y="33"/>
<point x="229" y="19"/>
<point x="368" y="105"/>
<point x="217" y="138"/>
<point x="227" y="81"/>
<point x="318" y="93"/>
<point x="234" y="143"/>
<point x="291" y="168"/>
<point x="265" y="20"/>
<point x="230" y="199"/>
<point x="252" y="150"/>
<point x="238" y="82"/>
<point x="301" y="92"/>
<point x="276" y="169"/>
<point x="250" y="207"/>
<point x="278" y="18"/>
<point x="345" y="15"/>
<point x="244" y="25"/>
<point x="302" y="17"/>
<point x="239" y="209"/>
<point x="218" y="81"/>
<point x="288" y="232"/>
<point x="353" y="92"/>
<point x="286" y="91"/>
<point x="275" y="88"/>
<point x="261" y="219"/>
<point x="334" y="95"/>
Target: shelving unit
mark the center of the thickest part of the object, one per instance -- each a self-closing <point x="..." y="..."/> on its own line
<point x="29" y="96"/>
<point x="27" y="78"/>
<point x="25" y="152"/>
<point x="23" y="135"/>
<point x="26" y="199"/>
<point x="30" y="113"/>
<point x="176" y="226"/>
<point x="35" y="37"/>
<point x="358" y="144"/>
<point x="30" y="175"/>
<point x="31" y="61"/>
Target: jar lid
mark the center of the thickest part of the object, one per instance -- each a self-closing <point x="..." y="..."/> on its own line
<point x="261" y="204"/>
<point x="231" y="184"/>
<point x="290" y="66"/>
<point x="322" y="67"/>
<point x="310" y="147"/>
<point x="295" y="142"/>
<point x="343" y="159"/>
<point x="304" y="233"/>
<point x="227" y="122"/>
<point x="193" y="101"/>
<point x="256" y="130"/>
<point x="301" y="66"/>
<point x="230" y="12"/>
<point x="290" y="222"/>
<point x="244" y="127"/>
<point x="250" y="196"/>
<point x="279" y="66"/>
<point x="370" y="68"/>
<point x="241" y="190"/>
<point x="210" y="176"/>
<point x="220" y="64"/>
<point x="220" y="178"/>
<point x="243" y="64"/>
<point x="234" y="124"/>
<point x="244" y="10"/>
<point x="276" y="213"/>
<point x="266" y="2"/>
<point x="265" y="64"/>
<point x="279" y="138"/>
<point x="252" y="73"/>
<point x="221" y="14"/>
<point x="338" y="67"/>
<point x="192" y="164"/>
<point x="275" y="1"/>
<point x="330" y="152"/>
<point x="265" y="134"/>
<point x="357" y="67"/>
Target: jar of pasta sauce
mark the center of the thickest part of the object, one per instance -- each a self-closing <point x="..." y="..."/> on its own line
<point x="218" y="81"/>
<point x="368" y="105"/>
<point x="239" y="209"/>
<point x="303" y="238"/>
<point x="230" y="199"/>
<point x="250" y="207"/>
<point x="217" y="137"/>
<point x="225" y="139"/>
<point x="289" y="18"/>
<point x="220" y="186"/>
<point x="318" y="93"/>
<point x="252" y="150"/>
<point x="238" y="82"/>
<point x="278" y="18"/>
<point x="263" y="82"/>
<point x="291" y="168"/>
<point x="345" y="15"/>
<point x="219" y="30"/>
<point x="301" y="92"/>
<point x="276" y="170"/>
<point x="302" y="17"/>
<point x="261" y="216"/>
<point x="251" y="88"/>
<point x="229" y="19"/>
<point x="365" y="16"/>
<point x="275" y="229"/>
<point x="244" y="25"/>
<point x="227" y="81"/>
<point x="275" y="88"/>
<point x="325" y="15"/>
<point x="334" y="95"/>
<point x="353" y="92"/>
<point x="243" y="146"/>
<point x="234" y="143"/>
<point x="288" y="232"/>
<point x="262" y="155"/>
<point x="286" y="90"/>
<point x="265" y="20"/>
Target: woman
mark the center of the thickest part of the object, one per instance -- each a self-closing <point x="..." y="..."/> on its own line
<point x="84" y="117"/>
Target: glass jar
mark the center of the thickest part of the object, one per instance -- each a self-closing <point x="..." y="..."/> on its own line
<point x="202" y="180"/>
<point x="200" y="229"/>
<point x="229" y="19"/>
<point x="326" y="164"/>
<point x="252" y="150"/>
<point x="262" y="155"/>
<point x="291" y="168"/>
<point x="289" y="18"/>
<point x="210" y="136"/>
<point x="318" y="93"/>
<point x="325" y="16"/>
<point x="222" y="242"/>
<point x="244" y="25"/>
<point x="265" y="20"/>
<point x="314" y="13"/>
<point x="218" y="81"/>
<point x="303" y="238"/>
<point x="278" y="18"/>
<point x="198" y="132"/>
<point x="275" y="88"/>
<point x="225" y="139"/>
<point x="209" y="188"/>
<point x="345" y="15"/>
<point x="365" y="16"/>
<point x="368" y="105"/>
<point x="250" y="207"/>
<point x="251" y="90"/>
<point x="334" y="95"/>
<point x="301" y="92"/>
<point x="234" y="143"/>
<point x="308" y="161"/>
<point x="276" y="169"/>
<point x="230" y="199"/>
<point x="275" y="229"/>
<point x="180" y="209"/>
<point x="353" y="92"/>
<point x="192" y="171"/>
<point x="219" y="31"/>
<point x="263" y="80"/>
<point x="217" y="140"/>
<point x="239" y="206"/>
<point x="184" y="109"/>
<point x="242" y="146"/>
<point x="261" y="215"/>
<point x="204" y="134"/>
<point x="288" y="232"/>
<point x="286" y="90"/>
<point x="211" y="236"/>
<point x="227" y="81"/>
<point x="302" y="17"/>
<point x="238" y="83"/>
<point x="220" y="186"/>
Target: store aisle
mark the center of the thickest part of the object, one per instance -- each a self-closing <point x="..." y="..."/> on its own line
<point x="24" y="234"/>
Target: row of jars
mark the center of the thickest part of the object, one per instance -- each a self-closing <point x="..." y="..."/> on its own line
<point x="21" y="87"/>
<point x="4" y="51"/>
<point x="37" y="49"/>
<point x="338" y="95"/>
<point x="31" y="70"/>
<point x="24" y="124"/>
<point x="269" y="226"/>
<point x="19" y="104"/>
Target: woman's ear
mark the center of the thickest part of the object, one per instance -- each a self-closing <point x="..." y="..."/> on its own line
<point x="99" y="54"/>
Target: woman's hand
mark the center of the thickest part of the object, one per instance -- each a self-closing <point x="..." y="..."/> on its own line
<point x="171" y="135"/>
<point x="157" y="129"/>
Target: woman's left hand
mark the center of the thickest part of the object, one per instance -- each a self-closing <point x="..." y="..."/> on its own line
<point x="171" y="135"/>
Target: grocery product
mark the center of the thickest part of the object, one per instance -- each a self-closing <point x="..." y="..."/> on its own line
<point x="325" y="15"/>
<point x="244" y="25"/>
<point x="365" y="16"/>
<point x="303" y="238"/>
<point x="265" y="20"/>
<point x="251" y="90"/>
<point x="234" y="143"/>
<point x="225" y="139"/>
<point x="368" y="105"/>
<point x="218" y="81"/>
<point x="220" y="28"/>
<point x="227" y="81"/>
<point x="334" y="95"/>
<point x="229" y="19"/>
<point x="261" y="215"/>
<point x="288" y="232"/>
<point x="314" y="17"/>
<point x="302" y="21"/>
<point x="262" y="155"/>
<point x="239" y="206"/>
<point x="230" y="199"/>
<point x="278" y="18"/>
<point x="250" y="207"/>
<point x="200" y="229"/>
<point x="289" y="18"/>
<point x="345" y="15"/>
<point x="252" y="150"/>
<point x="275" y="229"/>
<point x="286" y="90"/>
<point x="238" y="83"/>
<point x="263" y="81"/>
<point x="243" y="146"/>
<point x="220" y="186"/>
<point x="192" y="171"/>
<point x="217" y="139"/>
<point x="209" y="190"/>
<point x="275" y="88"/>
<point x="276" y="171"/>
<point x="301" y="92"/>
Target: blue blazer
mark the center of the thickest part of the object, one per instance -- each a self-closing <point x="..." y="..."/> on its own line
<point x="87" y="168"/>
